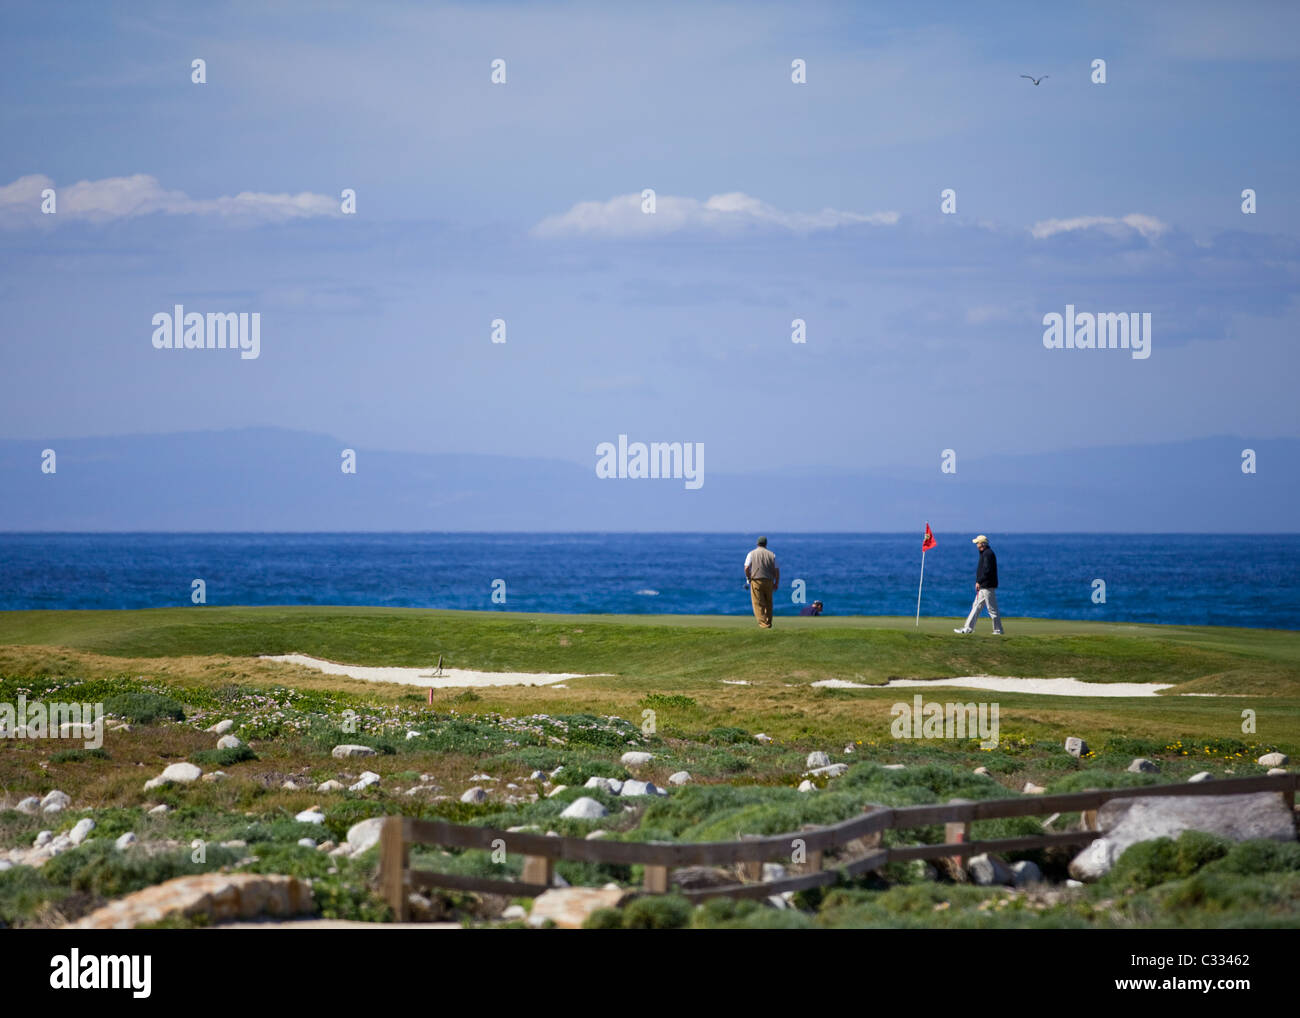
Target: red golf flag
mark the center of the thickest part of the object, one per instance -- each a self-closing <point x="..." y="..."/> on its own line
<point x="929" y="541"/>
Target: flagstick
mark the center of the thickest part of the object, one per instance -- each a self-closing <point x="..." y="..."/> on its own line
<point x="918" y="591"/>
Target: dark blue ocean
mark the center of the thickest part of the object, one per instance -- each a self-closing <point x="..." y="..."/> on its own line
<point x="1181" y="579"/>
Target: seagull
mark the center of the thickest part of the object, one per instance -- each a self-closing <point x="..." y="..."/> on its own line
<point x="1033" y="79"/>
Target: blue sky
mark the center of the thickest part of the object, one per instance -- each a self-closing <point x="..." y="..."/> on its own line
<point x="776" y="201"/>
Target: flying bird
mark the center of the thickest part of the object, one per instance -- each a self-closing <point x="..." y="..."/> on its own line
<point x="1033" y="79"/>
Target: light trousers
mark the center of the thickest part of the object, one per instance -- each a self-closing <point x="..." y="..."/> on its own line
<point x="986" y="598"/>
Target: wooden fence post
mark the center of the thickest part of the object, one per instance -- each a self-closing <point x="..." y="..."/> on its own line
<point x="957" y="832"/>
<point x="539" y="869"/>
<point x="656" y="879"/>
<point x="393" y="859"/>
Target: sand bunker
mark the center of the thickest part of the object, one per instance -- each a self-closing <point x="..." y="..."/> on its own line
<point x="424" y="677"/>
<point x="1008" y="684"/>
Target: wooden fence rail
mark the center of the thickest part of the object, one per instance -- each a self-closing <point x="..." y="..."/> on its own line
<point x="659" y="859"/>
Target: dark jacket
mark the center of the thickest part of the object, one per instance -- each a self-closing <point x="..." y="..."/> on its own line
<point x="986" y="574"/>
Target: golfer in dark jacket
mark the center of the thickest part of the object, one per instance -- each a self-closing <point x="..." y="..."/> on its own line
<point x="986" y="588"/>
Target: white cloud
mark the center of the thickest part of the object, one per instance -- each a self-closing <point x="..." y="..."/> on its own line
<point x="1148" y="226"/>
<point x="622" y="217"/>
<point x="141" y="195"/>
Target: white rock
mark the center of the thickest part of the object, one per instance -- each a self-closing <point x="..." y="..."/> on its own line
<point x="160" y="809"/>
<point x="1274" y="771"/>
<point x="831" y="770"/>
<point x="222" y="727"/>
<point x="514" y="912"/>
<point x="310" y="816"/>
<point x="817" y="759"/>
<point x="680" y="778"/>
<point x="557" y="770"/>
<point x="983" y="772"/>
<point x="596" y="781"/>
<point x="307" y="842"/>
<point x="474" y="794"/>
<point x="183" y="773"/>
<point x="597" y="835"/>
<point x="635" y="758"/>
<point x="367" y="779"/>
<point x="53" y="807"/>
<point x="1076" y="747"/>
<point x="43" y="839"/>
<point x="1201" y="776"/>
<point x="988" y="870"/>
<point x="330" y="786"/>
<point x="1032" y="789"/>
<point x="347" y="749"/>
<point x="848" y="750"/>
<point x="153" y="783"/>
<point x="1141" y="765"/>
<point x="556" y="791"/>
<point x="31" y="806"/>
<point x="482" y="777"/>
<point x="893" y="767"/>
<point x="56" y="798"/>
<point x="229" y="742"/>
<point x="633" y="788"/>
<point x="763" y="737"/>
<point x="807" y="786"/>
<point x="537" y="776"/>
<point x="79" y="832"/>
<point x="1273" y="760"/>
<point x="215" y="776"/>
<point x="1074" y="883"/>
<point x="412" y="735"/>
<point x="363" y="835"/>
<point x="125" y="841"/>
<point x="585" y="809"/>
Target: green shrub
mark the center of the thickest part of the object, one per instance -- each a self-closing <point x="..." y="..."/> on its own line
<point x="604" y="919"/>
<point x="1248" y="858"/>
<point x="97" y="868"/>
<point x="77" y="755"/>
<point x="728" y="735"/>
<point x="1149" y="863"/>
<point x="666" y="700"/>
<point x="657" y="912"/>
<point x="222" y="757"/>
<point x="144" y="708"/>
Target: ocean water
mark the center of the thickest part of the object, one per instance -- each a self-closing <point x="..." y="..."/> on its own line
<point x="1221" y="580"/>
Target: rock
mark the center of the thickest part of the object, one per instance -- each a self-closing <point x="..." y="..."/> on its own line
<point x="31" y="806"/>
<point x="474" y="794"/>
<point x="922" y="870"/>
<point x="596" y="835"/>
<point x="1026" y="872"/>
<point x="229" y="742"/>
<point x="988" y="870"/>
<point x="983" y="772"/>
<point x="160" y="809"/>
<point x="1032" y="789"/>
<point x="219" y="896"/>
<point x="330" y="786"/>
<point x="412" y="735"/>
<point x="1141" y="765"/>
<point x="634" y="788"/>
<point x="364" y="835"/>
<point x="56" y="798"/>
<point x="153" y="783"/>
<point x="679" y="778"/>
<point x="310" y="816"/>
<point x="215" y="776"/>
<point x="894" y="767"/>
<point x="1201" y="776"/>
<point x="817" y="759"/>
<point x="43" y="839"/>
<point x="514" y="913"/>
<point x="699" y="878"/>
<point x="1274" y="771"/>
<point x="1076" y="747"/>
<point x="585" y="809"/>
<point x="307" y="842"/>
<point x="76" y="730"/>
<point x="125" y="841"/>
<point x="763" y="737"/>
<point x="347" y="750"/>
<point x="595" y="781"/>
<point x="1273" y="760"/>
<point x="482" y="777"/>
<point x="848" y="750"/>
<point x="367" y="779"/>
<point x="326" y="846"/>
<point x="289" y="786"/>
<point x="773" y="871"/>
<point x="807" y="786"/>
<point x="831" y="770"/>
<point x="569" y="907"/>
<point x="1128" y="821"/>
<point x="1074" y="883"/>
<point x="557" y="770"/>
<point x="635" y="758"/>
<point x="537" y="776"/>
<point x="79" y="832"/>
<point x="182" y="773"/>
<point x="222" y="727"/>
<point x="556" y="791"/>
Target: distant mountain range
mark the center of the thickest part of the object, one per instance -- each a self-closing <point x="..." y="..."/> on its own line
<point x="270" y="479"/>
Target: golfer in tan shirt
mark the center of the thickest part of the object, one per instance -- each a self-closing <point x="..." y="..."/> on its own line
<point x="763" y="576"/>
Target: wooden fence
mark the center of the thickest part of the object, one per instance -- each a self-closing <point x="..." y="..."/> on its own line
<point x="397" y="879"/>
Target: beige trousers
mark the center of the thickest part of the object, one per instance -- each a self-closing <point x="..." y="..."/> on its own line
<point x="760" y="592"/>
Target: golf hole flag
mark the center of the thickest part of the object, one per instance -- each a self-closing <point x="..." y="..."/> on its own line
<point x="927" y="542"/>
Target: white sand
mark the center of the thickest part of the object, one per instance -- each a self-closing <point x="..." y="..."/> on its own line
<point x="1008" y="684"/>
<point x="449" y="679"/>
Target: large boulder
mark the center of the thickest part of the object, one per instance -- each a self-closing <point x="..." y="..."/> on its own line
<point x="347" y="750"/>
<point x="1273" y="760"/>
<point x="585" y="808"/>
<point x="1075" y="746"/>
<point x="817" y="759"/>
<point x="219" y="896"/>
<point x="569" y="907"/>
<point x="181" y="773"/>
<point x="364" y="835"/>
<point x="1128" y="821"/>
<point x="988" y="870"/>
<point x="635" y="758"/>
